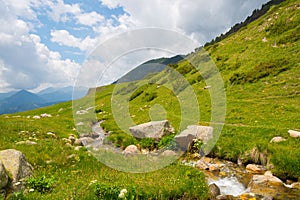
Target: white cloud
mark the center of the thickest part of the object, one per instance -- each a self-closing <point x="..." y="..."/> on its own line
<point x="25" y="61"/>
<point x="64" y="38"/>
<point x="202" y="19"/>
<point x="89" y="19"/>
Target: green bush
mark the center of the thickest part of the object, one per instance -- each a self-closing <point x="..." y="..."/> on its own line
<point x="41" y="184"/>
<point x="167" y="142"/>
<point x="147" y="143"/>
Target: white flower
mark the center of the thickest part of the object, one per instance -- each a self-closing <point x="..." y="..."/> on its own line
<point x="122" y="194"/>
<point x="17" y="183"/>
<point x="31" y="190"/>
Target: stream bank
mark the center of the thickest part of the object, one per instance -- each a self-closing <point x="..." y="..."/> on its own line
<point x="233" y="181"/>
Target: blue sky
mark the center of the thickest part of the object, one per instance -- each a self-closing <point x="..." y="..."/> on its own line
<point x="44" y="43"/>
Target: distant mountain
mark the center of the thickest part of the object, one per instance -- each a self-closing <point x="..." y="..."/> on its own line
<point x="21" y="101"/>
<point x="62" y="94"/>
<point x="149" y="67"/>
<point x="5" y="95"/>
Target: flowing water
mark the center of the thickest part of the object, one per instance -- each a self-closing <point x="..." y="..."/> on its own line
<point x="229" y="186"/>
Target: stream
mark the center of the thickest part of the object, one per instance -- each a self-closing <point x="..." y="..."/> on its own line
<point x="230" y="178"/>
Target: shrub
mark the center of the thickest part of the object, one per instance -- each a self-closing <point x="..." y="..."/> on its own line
<point x="41" y="184"/>
<point x="147" y="143"/>
<point x="167" y="142"/>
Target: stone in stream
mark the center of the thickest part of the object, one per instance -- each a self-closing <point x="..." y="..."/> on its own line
<point x="155" y="130"/>
<point x="257" y="169"/>
<point x="186" y="137"/>
<point x="213" y="191"/>
<point x="15" y="163"/>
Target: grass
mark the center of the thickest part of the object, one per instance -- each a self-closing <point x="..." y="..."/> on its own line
<point x="261" y="79"/>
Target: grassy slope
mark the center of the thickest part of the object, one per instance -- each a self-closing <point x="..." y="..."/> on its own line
<point x="262" y="87"/>
<point x="259" y="107"/>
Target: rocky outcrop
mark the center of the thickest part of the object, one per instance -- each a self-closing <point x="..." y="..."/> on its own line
<point x="155" y="130"/>
<point x="16" y="165"/>
<point x="3" y="176"/>
<point x="186" y="137"/>
<point x="294" y="134"/>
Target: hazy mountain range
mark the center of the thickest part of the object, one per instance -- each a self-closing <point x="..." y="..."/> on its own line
<point x="23" y="100"/>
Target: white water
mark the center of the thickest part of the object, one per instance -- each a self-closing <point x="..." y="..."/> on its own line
<point x="229" y="186"/>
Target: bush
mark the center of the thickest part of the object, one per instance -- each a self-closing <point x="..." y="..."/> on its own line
<point x="167" y="142"/>
<point x="41" y="184"/>
<point x="147" y="143"/>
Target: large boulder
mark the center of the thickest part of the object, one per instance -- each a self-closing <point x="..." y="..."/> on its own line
<point x="3" y="176"/>
<point x="155" y="130"/>
<point x="186" y="137"/>
<point x="17" y="167"/>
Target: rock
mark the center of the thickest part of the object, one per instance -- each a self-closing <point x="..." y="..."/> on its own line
<point x="51" y="134"/>
<point x="78" y="142"/>
<point x="214" y="168"/>
<point x="186" y="137"/>
<point x="294" y="134"/>
<point x="201" y="164"/>
<point x="266" y="185"/>
<point x="72" y="139"/>
<point x="213" y="191"/>
<point x="169" y="153"/>
<point x="81" y="112"/>
<point x="15" y="163"/>
<point x="86" y="140"/>
<point x="3" y="176"/>
<point x="131" y="149"/>
<point x="80" y="124"/>
<point x="226" y="197"/>
<point x="296" y="185"/>
<point x="258" y="169"/>
<point x="36" y="117"/>
<point x="60" y="110"/>
<point x="27" y="142"/>
<point x="277" y="139"/>
<point x="155" y="130"/>
<point x="45" y="115"/>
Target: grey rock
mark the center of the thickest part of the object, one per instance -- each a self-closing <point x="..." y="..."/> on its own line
<point x="15" y="163"/>
<point x="155" y="130"/>
<point x="213" y="191"/>
<point x="186" y="137"/>
<point x="3" y="176"/>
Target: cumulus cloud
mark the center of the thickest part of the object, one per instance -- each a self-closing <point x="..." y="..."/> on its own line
<point x="25" y="61"/>
<point x="202" y="20"/>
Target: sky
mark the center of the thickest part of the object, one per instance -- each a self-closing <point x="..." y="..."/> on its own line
<point x="44" y="43"/>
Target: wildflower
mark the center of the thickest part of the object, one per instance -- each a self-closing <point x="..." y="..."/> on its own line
<point x="31" y="190"/>
<point x="122" y="194"/>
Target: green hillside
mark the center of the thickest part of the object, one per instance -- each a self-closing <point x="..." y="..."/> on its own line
<point x="260" y="67"/>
